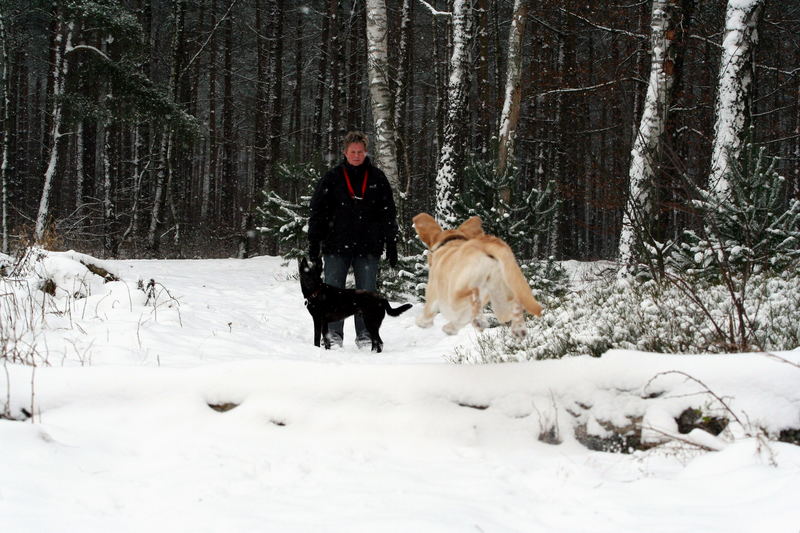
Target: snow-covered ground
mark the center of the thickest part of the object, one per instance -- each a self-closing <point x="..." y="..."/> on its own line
<point x="347" y="440"/>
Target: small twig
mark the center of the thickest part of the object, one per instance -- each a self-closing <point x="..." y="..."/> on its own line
<point x="33" y="394"/>
<point x="680" y="438"/>
<point x="706" y="388"/>
<point x="781" y="359"/>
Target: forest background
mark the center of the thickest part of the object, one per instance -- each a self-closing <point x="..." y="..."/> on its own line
<point x="174" y="128"/>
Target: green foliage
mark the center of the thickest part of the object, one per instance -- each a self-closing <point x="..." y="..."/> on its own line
<point x="109" y="17"/>
<point x="110" y="85"/>
<point x="407" y="280"/>
<point x="517" y="222"/>
<point x="284" y="219"/>
<point x="547" y="277"/>
<point x="754" y="230"/>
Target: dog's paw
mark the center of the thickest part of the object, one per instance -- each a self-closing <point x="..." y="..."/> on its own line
<point x="519" y="330"/>
<point x="424" y="322"/>
<point x="480" y="322"/>
<point x="450" y="328"/>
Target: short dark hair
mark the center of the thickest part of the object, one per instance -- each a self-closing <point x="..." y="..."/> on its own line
<point x="354" y="137"/>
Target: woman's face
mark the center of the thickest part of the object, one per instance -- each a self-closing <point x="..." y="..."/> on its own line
<point x="355" y="153"/>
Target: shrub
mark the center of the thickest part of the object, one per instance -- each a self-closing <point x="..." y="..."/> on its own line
<point x="622" y="313"/>
<point x="756" y="229"/>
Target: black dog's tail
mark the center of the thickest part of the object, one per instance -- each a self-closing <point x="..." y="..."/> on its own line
<point x="396" y="311"/>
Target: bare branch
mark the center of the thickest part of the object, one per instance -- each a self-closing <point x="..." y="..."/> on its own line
<point x="208" y="38"/>
<point x="580" y="89"/>
<point x="606" y="28"/>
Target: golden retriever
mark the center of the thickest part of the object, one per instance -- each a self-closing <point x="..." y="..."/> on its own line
<point x="469" y="269"/>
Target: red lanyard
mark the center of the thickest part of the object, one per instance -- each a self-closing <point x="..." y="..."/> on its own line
<point x="350" y="185"/>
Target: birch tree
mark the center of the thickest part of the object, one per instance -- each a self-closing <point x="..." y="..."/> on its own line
<point x="646" y="149"/>
<point x="451" y="154"/>
<point x="401" y="93"/>
<point x="62" y="44"/>
<point x="275" y="88"/>
<point x="734" y="88"/>
<point x="511" y="101"/>
<point x="380" y="95"/>
<point x="6" y="132"/>
<point x="164" y="174"/>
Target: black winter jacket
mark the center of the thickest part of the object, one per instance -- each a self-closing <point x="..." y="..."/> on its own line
<point x="345" y="225"/>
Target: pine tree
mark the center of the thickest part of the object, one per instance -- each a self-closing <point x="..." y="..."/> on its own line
<point x="519" y="220"/>
<point x="755" y="229"/>
<point x="284" y="219"/>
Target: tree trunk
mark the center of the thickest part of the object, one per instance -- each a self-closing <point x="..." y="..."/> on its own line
<point x="296" y="123"/>
<point x="103" y="163"/>
<point x="451" y="155"/>
<point x="6" y="133"/>
<point x="228" y="183"/>
<point x="108" y="204"/>
<point x="356" y="65"/>
<point x="261" y="134"/>
<point x="275" y="89"/>
<point x="646" y="151"/>
<point x="401" y="92"/>
<point x="163" y="177"/>
<point x="208" y="202"/>
<point x="483" y="130"/>
<point x="380" y="95"/>
<point x="59" y="73"/>
<point x="319" y="101"/>
<point x="732" y="110"/>
<point x="513" y="93"/>
<point x="80" y="172"/>
<point x="335" y="59"/>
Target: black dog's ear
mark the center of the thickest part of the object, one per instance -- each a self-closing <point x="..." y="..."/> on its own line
<point x="303" y="264"/>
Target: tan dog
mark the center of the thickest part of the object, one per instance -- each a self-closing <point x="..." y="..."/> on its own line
<point x="469" y="269"/>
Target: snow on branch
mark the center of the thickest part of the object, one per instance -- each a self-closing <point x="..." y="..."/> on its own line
<point x="581" y="89"/>
<point x="87" y="47"/>
<point x="435" y="12"/>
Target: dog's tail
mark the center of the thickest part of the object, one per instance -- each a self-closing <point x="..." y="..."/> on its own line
<point x="395" y="311"/>
<point x="513" y="276"/>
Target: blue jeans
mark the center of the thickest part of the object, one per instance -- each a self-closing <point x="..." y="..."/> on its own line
<point x="365" y="270"/>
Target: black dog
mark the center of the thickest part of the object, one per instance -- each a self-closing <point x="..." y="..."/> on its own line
<point x="329" y="304"/>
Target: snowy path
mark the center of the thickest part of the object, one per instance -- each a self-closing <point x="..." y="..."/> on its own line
<point x="350" y="441"/>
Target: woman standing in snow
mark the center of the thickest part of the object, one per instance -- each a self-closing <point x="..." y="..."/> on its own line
<point x="353" y="219"/>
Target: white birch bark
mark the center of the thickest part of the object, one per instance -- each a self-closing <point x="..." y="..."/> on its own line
<point x="139" y="172"/>
<point x="402" y="66"/>
<point x="734" y="87"/>
<point x="380" y="95"/>
<point x="401" y="96"/>
<point x="511" y="101"/>
<point x="103" y="147"/>
<point x="6" y="131"/>
<point x="60" y="70"/>
<point x="452" y="151"/>
<point x="108" y="205"/>
<point x="158" y="202"/>
<point x="80" y="173"/>
<point x="645" y="153"/>
<point x="555" y="157"/>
